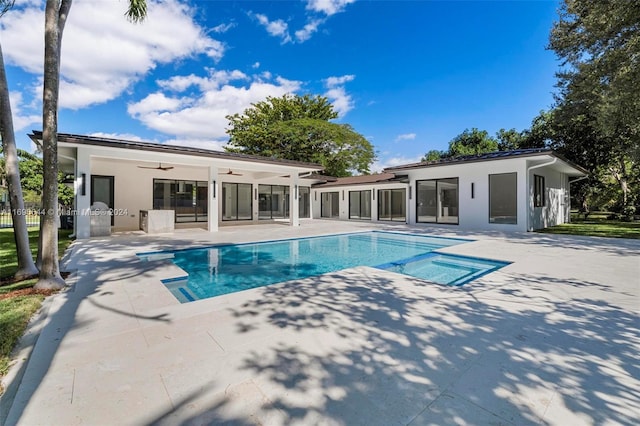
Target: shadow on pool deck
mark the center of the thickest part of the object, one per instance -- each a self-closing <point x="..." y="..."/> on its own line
<point x="451" y="359"/>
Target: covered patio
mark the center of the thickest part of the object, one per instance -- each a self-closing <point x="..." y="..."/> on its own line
<point x="199" y="186"/>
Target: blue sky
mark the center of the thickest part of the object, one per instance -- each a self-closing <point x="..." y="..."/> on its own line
<point x="408" y="75"/>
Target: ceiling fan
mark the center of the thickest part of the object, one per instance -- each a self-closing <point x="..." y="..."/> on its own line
<point x="231" y="172"/>
<point x="164" y="169"/>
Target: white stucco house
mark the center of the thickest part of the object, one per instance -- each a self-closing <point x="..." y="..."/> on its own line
<point x="520" y="190"/>
<point x="512" y="191"/>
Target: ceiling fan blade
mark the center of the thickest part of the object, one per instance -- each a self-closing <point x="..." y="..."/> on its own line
<point x="164" y="169"/>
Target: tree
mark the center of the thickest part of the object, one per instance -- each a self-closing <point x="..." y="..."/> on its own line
<point x="295" y="127"/>
<point x="434" y="155"/>
<point x="472" y="142"/>
<point x="26" y="266"/>
<point x="599" y="44"/>
<point x="56" y="13"/>
<point x="509" y="139"/>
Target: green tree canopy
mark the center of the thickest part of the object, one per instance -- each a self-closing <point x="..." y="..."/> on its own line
<point x="472" y="142"/>
<point x="434" y="155"/>
<point x="469" y="142"/>
<point x="597" y="115"/>
<point x="295" y="127"/>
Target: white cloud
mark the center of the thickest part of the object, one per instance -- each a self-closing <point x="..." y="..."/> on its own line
<point x="405" y="137"/>
<point x="213" y="81"/>
<point x="381" y="164"/>
<point x="280" y="28"/>
<point x="202" y="115"/>
<point x="22" y="120"/>
<point x="223" y="28"/>
<point x="338" y="81"/>
<point x="255" y="65"/>
<point x="328" y="7"/>
<point x="307" y="31"/>
<point x="341" y="100"/>
<point x="102" y="53"/>
<point x="123" y="136"/>
<point x="156" y="102"/>
<point x="277" y="28"/>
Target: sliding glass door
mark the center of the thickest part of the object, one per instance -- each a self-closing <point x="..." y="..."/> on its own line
<point x="437" y="201"/>
<point x="360" y="205"/>
<point x="273" y="202"/>
<point x="188" y="199"/>
<point x="304" y="201"/>
<point x="392" y="205"/>
<point x="330" y="204"/>
<point x="236" y="201"/>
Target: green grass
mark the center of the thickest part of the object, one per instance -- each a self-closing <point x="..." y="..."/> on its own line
<point x="15" y="311"/>
<point x="597" y="225"/>
<point x="8" y="259"/>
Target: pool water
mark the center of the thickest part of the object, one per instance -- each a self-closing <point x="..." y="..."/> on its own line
<point x="219" y="270"/>
<point x="445" y="268"/>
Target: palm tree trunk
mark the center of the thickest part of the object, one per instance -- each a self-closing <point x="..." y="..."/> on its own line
<point x="56" y="13"/>
<point x="26" y="267"/>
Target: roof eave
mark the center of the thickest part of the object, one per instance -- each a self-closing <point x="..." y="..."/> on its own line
<point x="71" y="139"/>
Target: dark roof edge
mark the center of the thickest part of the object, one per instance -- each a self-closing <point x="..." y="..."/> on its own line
<point x="483" y="157"/>
<point x="36" y="136"/>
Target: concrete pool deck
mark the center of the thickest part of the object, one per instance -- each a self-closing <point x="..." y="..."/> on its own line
<point x="552" y="339"/>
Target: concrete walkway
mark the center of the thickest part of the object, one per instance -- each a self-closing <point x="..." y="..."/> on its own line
<point x="551" y="339"/>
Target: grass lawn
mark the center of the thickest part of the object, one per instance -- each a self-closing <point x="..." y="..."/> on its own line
<point x="8" y="260"/>
<point x="597" y="225"/>
<point x="18" y="302"/>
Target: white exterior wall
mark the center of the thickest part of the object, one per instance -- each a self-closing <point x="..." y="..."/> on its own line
<point x="557" y="204"/>
<point x="474" y="212"/>
<point x="343" y="194"/>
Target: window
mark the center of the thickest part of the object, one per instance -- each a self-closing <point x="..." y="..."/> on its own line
<point x="304" y="201"/>
<point x="539" y="199"/>
<point x="392" y="205"/>
<point x="503" y="200"/>
<point x="187" y="198"/>
<point x="360" y="205"/>
<point x="330" y="204"/>
<point x="236" y="201"/>
<point x="273" y="201"/>
<point x="437" y="201"/>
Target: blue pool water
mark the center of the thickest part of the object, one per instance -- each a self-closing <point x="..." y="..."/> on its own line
<point x="214" y="271"/>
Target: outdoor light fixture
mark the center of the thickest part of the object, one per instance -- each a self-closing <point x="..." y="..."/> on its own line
<point x="214" y="188"/>
<point x="83" y="184"/>
<point x="409" y="191"/>
<point x="296" y="192"/>
<point x="473" y="190"/>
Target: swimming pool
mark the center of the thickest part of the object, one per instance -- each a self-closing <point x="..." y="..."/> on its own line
<point x="218" y="270"/>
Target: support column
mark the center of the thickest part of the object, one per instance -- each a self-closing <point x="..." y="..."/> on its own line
<point x="82" y="218"/>
<point x="213" y="195"/>
<point x="294" y="197"/>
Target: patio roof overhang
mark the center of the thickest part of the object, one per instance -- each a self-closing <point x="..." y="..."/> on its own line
<point x="147" y="154"/>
